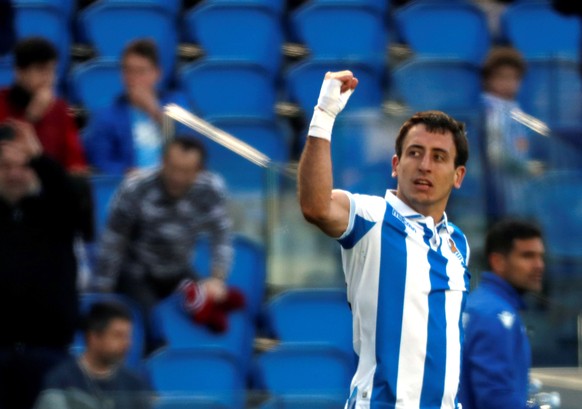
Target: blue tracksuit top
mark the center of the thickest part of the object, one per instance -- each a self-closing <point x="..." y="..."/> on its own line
<point x="496" y="350"/>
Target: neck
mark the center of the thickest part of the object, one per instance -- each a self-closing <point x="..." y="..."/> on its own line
<point x="96" y="367"/>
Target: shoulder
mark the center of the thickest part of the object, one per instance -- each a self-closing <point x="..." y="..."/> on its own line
<point x="489" y="309"/>
<point x="60" y="107"/>
<point x="139" y="183"/>
<point x="208" y="180"/>
<point x="62" y="373"/>
<point x="132" y="381"/>
<point x="367" y="206"/>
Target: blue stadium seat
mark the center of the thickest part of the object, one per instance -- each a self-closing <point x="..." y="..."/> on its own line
<point x="537" y="30"/>
<point x="320" y="316"/>
<point x="304" y="402"/>
<point x="551" y="90"/>
<point x="103" y="188"/>
<point x="241" y="175"/>
<point x="96" y="83"/>
<point x="222" y="88"/>
<point x="176" y="328"/>
<point x="349" y="31"/>
<point x="110" y="26"/>
<point x="172" y="6"/>
<point x="303" y="82"/>
<point x="439" y="83"/>
<point x="46" y="19"/>
<point x="363" y="167"/>
<point x="380" y="6"/>
<point x="6" y="71"/>
<point x="205" y="373"/>
<point x="278" y="6"/>
<point x="444" y="29"/>
<point x="254" y="31"/>
<point x="555" y="202"/>
<point x="304" y="370"/>
<point x="187" y="402"/>
<point x="248" y="272"/>
<point x="134" y="356"/>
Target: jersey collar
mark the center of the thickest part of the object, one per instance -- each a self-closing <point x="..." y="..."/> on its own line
<point x="410" y="213"/>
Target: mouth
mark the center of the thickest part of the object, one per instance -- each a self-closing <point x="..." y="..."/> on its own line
<point x="422" y="184"/>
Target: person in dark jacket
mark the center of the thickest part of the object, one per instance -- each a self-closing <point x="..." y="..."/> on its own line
<point x="98" y="378"/>
<point x="39" y="217"/>
<point x="496" y="351"/>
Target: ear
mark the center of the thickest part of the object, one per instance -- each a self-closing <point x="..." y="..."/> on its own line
<point x="497" y="262"/>
<point x="395" y="163"/>
<point x="460" y="172"/>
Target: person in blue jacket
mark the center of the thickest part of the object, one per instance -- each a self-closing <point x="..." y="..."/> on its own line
<point x="496" y="350"/>
<point x="128" y="135"/>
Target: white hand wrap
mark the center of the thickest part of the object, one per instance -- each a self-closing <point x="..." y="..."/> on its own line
<point x="330" y="103"/>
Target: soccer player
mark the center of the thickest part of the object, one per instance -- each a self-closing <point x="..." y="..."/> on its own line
<point x="405" y="264"/>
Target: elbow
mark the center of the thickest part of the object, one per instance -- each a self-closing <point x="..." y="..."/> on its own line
<point x="314" y="214"/>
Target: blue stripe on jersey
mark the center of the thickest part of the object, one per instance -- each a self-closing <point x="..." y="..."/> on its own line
<point x="361" y="227"/>
<point x="433" y="383"/>
<point x="461" y="332"/>
<point x="390" y="310"/>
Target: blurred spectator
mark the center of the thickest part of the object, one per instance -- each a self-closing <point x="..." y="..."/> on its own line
<point x="154" y="222"/>
<point x="497" y="354"/>
<point x="39" y="210"/>
<point x="98" y="378"/>
<point x="7" y="32"/>
<point x="493" y="9"/>
<point x="128" y="135"/>
<point x="32" y="99"/>
<point x="509" y="159"/>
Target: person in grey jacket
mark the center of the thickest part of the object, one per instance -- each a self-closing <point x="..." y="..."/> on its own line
<point x="154" y="222"/>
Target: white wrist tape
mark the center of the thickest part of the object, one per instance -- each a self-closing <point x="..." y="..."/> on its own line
<point x="331" y="101"/>
<point x="321" y="124"/>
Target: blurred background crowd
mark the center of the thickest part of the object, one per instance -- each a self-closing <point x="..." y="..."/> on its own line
<point x="201" y="256"/>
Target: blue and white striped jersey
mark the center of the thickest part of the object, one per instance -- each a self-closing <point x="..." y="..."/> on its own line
<point x="407" y="281"/>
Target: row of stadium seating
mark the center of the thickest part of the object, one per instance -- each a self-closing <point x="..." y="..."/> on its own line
<point x="353" y="30"/>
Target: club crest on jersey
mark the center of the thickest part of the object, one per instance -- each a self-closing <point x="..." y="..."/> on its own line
<point x="454" y="249"/>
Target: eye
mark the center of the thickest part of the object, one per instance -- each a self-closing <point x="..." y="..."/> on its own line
<point x="440" y="157"/>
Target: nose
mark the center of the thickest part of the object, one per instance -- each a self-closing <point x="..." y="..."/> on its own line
<point x="425" y="163"/>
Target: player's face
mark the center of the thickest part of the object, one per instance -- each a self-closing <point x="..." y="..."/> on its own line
<point x="139" y="72"/>
<point x="426" y="171"/>
<point x="180" y="170"/>
<point x="504" y="82"/>
<point x="111" y="345"/>
<point x="524" y="266"/>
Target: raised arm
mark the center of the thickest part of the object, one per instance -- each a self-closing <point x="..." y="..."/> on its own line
<point x="327" y="209"/>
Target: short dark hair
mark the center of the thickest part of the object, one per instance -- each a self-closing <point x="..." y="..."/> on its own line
<point x="437" y="121"/>
<point x="188" y="143"/>
<point x="102" y="313"/>
<point x="502" y="235"/>
<point x="502" y="57"/>
<point x="145" y="48"/>
<point x="33" y="50"/>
